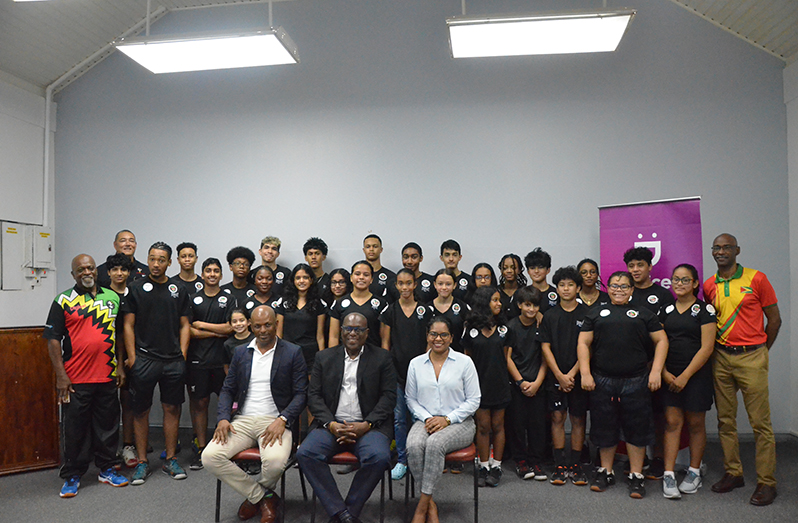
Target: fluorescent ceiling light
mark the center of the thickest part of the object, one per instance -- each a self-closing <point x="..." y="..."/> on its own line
<point x="202" y="52"/>
<point x="550" y="33"/>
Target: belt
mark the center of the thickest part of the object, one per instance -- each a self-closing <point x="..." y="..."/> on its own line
<point x="738" y="349"/>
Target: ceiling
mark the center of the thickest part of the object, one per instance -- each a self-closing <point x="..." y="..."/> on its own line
<point x="57" y="41"/>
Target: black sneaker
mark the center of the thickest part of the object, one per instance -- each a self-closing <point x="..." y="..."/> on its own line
<point x="602" y="481"/>
<point x="656" y="469"/>
<point x="522" y="469"/>
<point x="577" y="474"/>
<point x="559" y="476"/>
<point x="456" y="468"/>
<point x="537" y="473"/>
<point x="482" y="477"/>
<point x="637" y="486"/>
<point x="494" y="476"/>
<point x="196" y="461"/>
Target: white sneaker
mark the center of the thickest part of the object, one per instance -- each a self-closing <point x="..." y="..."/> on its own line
<point x="399" y="471"/>
<point x="129" y="456"/>
<point x="691" y="483"/>
<point x="669" y="489"/>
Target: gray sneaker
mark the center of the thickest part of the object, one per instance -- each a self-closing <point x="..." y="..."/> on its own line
<point x="669" y="489"/>
<point x="691" y="483"/>
<point x="173" y="469"/>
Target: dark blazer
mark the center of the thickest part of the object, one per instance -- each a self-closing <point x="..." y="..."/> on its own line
<point x="376" y="387"/>
<point x="289" y="381"/>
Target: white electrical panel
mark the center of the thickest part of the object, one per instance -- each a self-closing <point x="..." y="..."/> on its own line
<point x="12" y="255"/>
<point x="42" y="247"/>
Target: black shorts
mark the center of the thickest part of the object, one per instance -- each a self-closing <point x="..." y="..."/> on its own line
<point x="621" y="404"/>
<point x="574" y="402"/>
<point x="201" y="382"/>
<point x="696" y="396"/>
<point x="147" y="372"/>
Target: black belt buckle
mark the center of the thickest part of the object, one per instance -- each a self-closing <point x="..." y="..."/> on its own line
<point x="737" y="349"/>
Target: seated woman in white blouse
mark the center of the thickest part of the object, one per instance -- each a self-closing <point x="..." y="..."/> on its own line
<point x="442" y="394"/>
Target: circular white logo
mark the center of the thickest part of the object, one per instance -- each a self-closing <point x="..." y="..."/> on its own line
<point x="552" y="295"/>
<point x="172" y="287"/>
<point x="279" y="302"/>
<point x="463" y="283"/>
<point x="502" y="331"/>
<point x="696" y="308"/>
<point x="669" y="309"/>
<point x="198" y="300"/>
<point x="375" y="303"/>
<point x="222" y="299"/>
<point x="198" y="285"/>
<point x="425" y="283"/>
<point x="279" y="275"/>
<point x="420" y="310"/>
<point x="250" y="293"/>
<point x="250" y="304"/>
<point x="345" y="303"/>
<point x="473" y="333"/>
<point x="147" y="287"/>
<point x="383" y="276"/>
<point x="632" y="313"/>
<point x="456" y="309"/>
<point x="604" y="313"/>
<point x="227" y="291"/>
<point x="710" y="309"/>
<point x="653" y="299"/>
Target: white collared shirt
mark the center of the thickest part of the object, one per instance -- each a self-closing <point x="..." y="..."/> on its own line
<point x="259" y="400"/>
<point x="348" y="402"/>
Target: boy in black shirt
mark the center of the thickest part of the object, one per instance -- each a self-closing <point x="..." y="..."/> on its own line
<point x="559" y="332"/>
<point x="240" y="260"/>
<point x="156" y="330"/>
<point x="210" y="327"/>
<point x="187" y="259"/>
<point x="269" y="252"/>
<point x="538" y="266"/>
<point x="315" y="250"/>
<point x="384" y="280"/>
<point x="451" y="254"/>
<point x="412" y="256"/>
<point x="527" y="420"/>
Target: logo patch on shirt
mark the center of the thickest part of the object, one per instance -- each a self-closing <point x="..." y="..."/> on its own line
<point x="173" y="290"/>
<point x="604" y="313"/>
<point x="383" y="276"/>
<point x="197" y="300"/>
<point x="456" y="309"/>
<point x="669" y="309"/>
<point x="425" y="284"/>
<point x="147" y="287"/>
<point x="250" y="293"/>
<point x="375" y="303"/>
<point x="198" y="285"/>
<point x="710" y="309"/>
<point x="552" y="296"/>
<point x="279" y="276"/>
<point x="502" y="331"/>
<point x="746" y="290"/>
<point x="420" y="311"/>
<point x="473" y="333"/>
<point x="579" y="323"/>
<point x="579" y="300"/>
<point x="696" y="308"/>
<point x="250" y="304"/>
<point x="463" y="284"/>
<point x="632" y="313"/>
<point x="653" y="299"/>
<point x="345" y="303"/>
<point x="222" y="301"/>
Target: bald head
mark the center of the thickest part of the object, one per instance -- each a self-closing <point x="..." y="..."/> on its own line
<point x="725" y="250"/>
<point x="264" y="326"/>
<point x="84" y="270"/>
<point x="725" y="238"/>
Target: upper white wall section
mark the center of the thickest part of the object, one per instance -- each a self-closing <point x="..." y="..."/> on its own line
<point x="791" y="99"/>
<point x="378" y="129"/>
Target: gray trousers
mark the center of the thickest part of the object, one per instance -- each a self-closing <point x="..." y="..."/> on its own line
<point x="426" y="452"/>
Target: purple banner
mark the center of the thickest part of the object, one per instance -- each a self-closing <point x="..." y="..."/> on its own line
<point x="671" y="229"/>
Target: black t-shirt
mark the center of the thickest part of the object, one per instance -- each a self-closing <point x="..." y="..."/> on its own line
<point x="323" y="284"/>
<point x="620" y="335"/>
<point x="561" y="329"/>
<point x="383" y="284"/>
<point x="526" y="352"/>
<point x="684" y="333"/>
<point x="249" y="304"/>
<point x="240" y="295"/>
<point x="408" y="335"/>
<point x="281" y="275"/>
<point x="425" y="288"/>
<point x="158" y="308"/>
<point x="192" y="287"/>
<point x="209" y="352"/>
<point x="490" y="362"/>
<point x="511" y="310"/>
<point x="653" y="298"/>
<point x="603" y="299"/>
<point x="139" y="271"/>
<point x="300" y="325"/>
<point x="231" y="343"/>
<point x="372" y="309"/>
<point x="549" y="299"/>
<point x="463" y="286"/>
<point x="456" y="314"/>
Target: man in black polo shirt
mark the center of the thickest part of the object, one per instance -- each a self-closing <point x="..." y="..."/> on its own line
<point x="315" y="250"/>
<point x="156" y="340"/>
<point x="124" y="242"/>
<point x="538" y="266"/>
<point x="412" y="256"/>
<point x="383" y="279"/>
<point x="240" y="260"/>
<point x="269" y="252"/>
<point x="451" y="254"/>
<point x="187" y="260"/>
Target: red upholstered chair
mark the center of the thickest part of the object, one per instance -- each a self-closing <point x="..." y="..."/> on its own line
<point x="466" y="455"/>
<point x="347" y="458"/>
<point x="249" y="459"/>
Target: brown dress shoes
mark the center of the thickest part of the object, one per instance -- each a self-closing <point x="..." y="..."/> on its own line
<point x="763" y="495"/>
<point x="728" y="483"/>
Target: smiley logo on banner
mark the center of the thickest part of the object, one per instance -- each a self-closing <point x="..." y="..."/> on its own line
<point x="655" y="245"/>
<point x="632" y="314"/>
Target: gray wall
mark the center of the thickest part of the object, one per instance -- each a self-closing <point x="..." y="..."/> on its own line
<point x="378" y="129"/>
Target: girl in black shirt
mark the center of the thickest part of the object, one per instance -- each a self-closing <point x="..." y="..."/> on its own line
<point x="511" y="278"/>
<point x="591" y="294"/>
<point x="301" y="313"/>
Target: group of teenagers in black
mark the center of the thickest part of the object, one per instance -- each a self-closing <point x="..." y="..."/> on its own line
<point x="543" y="352"/>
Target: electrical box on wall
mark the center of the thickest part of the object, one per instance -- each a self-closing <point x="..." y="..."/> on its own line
<point x="26" y="254"/>
<point x="11" y="252"/>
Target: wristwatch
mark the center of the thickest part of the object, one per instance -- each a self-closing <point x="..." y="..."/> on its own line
<point x="283" y="418"/>
<point x="447" y="420"/>
<point x="519" y="382"/>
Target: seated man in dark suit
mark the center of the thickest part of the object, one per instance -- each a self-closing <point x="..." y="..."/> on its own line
<point x="352" y="396"/>
<point x="269" y="380"/>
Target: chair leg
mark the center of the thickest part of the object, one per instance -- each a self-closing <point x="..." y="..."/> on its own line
<point x="390" y="486"/>
<point x="218" y="498"/>
<point x="476" y="492"/>
<point x="408" y="479"/>
<point x="313" y="509"/>
<point x="282" y="497"/>
<point x="382" y="496"/>
<point x="302" y="482"/>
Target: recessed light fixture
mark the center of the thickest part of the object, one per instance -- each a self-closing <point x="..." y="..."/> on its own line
<point x="593" y="31"/>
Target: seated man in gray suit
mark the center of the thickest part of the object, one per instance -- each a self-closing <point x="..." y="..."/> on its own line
<point x="269" y="380"/>
<point x="352" y="397"/>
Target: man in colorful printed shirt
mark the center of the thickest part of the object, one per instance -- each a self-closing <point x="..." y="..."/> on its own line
<point x="80" y="335"/>
<point x="742" y="296"/>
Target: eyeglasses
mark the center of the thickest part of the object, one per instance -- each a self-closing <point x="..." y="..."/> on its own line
<point x="726" y="248"/>
<point x="356" y="330"/>
<point x="482" y="278"/>
<point x="240" y="264"/>
<point x="441" y="335"/>
<point x="621" y="287"/>
<point x="683" y="281"/>
<point x="337" y="282"/>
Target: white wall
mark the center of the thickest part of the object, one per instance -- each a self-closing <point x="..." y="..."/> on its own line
<point x="378" y="129"/>
<point x="791" y="100"/>
<point x="21" y="192"/>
